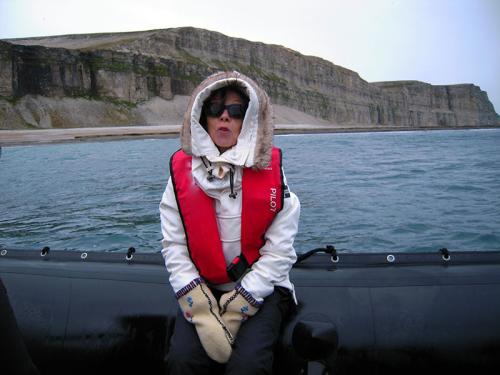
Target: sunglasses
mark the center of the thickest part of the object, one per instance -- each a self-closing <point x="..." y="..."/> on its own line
<point x="215" y="109"/>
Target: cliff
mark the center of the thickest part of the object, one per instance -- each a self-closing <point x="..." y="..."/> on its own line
<point x="145" y="78"/>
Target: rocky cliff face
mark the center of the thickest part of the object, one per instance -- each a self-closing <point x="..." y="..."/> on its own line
<point x="128" y="74"/>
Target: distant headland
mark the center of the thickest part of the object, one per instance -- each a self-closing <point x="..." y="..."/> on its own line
<point x="145" y="78"/>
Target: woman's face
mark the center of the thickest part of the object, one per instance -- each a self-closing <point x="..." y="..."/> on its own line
<point x="224" y="129"/>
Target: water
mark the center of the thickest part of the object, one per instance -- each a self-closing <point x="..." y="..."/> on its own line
<point x="396" y="191"/>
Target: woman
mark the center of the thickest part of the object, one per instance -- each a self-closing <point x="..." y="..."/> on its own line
<point x="228" y="222"/>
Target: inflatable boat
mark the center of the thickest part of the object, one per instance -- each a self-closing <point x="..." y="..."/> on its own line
<point x="95" y="312"/>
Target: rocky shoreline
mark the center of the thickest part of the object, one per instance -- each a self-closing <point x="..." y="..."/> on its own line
<point x="48" y="136"/>
<point x="124" y="79"/>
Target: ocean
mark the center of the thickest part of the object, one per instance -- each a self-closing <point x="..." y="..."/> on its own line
<point x="361" y="192"/>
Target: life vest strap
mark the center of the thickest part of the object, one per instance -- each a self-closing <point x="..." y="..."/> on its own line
<point x="262" y="199"/>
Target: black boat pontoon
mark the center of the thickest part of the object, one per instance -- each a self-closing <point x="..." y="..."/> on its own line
<point x="358" y="313"/>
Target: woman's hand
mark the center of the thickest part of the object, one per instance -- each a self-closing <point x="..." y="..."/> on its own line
<point x="200" y="307"/>
<point x="235" y="309"/>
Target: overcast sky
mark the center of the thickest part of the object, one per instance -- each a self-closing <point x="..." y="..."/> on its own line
<point x="435" y="41"/>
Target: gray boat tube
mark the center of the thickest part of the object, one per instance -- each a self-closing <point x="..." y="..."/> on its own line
<point x="357" y="313"/>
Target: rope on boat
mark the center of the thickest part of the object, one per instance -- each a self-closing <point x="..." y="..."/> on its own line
<point x="329" y="249"/>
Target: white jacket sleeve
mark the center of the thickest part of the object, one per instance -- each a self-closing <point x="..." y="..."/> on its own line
<point x="175" y="252"/>
<point x="277" y="256"/>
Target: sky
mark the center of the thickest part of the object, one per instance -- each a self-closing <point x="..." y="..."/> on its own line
<point x="434" y="41"/>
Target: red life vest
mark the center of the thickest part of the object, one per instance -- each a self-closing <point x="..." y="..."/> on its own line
<point x="262" y="199"/>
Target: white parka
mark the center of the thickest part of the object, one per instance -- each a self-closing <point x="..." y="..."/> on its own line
<point x="253" y="150"/>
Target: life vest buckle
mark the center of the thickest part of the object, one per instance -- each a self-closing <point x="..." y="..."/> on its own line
<point x="237" y="268"/>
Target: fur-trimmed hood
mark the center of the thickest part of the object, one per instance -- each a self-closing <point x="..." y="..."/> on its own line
<point x="255" y="140"/>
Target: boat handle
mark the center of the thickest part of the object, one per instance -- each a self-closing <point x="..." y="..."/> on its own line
<point x="130" y="253"/>
<point x="329" y="249"/>
<point x="445" y="254"/>
<point x="45" y="251"/>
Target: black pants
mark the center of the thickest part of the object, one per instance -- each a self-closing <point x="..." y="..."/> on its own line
<point x="14" y="357"/>
<point x="253" y="351"/>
